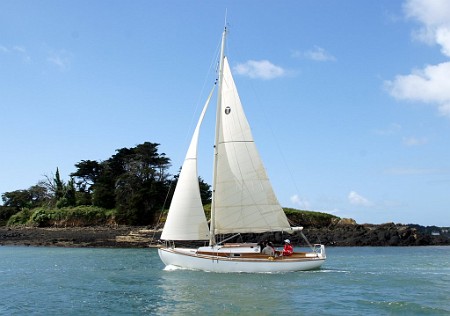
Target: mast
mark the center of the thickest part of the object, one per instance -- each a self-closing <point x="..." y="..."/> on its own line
<point x="212" y="237"/>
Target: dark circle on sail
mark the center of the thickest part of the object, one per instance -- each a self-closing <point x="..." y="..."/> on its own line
<point x="227" y="110"/>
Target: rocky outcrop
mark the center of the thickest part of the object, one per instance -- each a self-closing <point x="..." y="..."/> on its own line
<point x="389" y="234"/>
<point x="346" y="232"/>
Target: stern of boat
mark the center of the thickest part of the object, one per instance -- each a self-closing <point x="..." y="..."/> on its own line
<point x="320" y="251"/>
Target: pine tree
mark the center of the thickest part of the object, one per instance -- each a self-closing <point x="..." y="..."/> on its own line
<point x="59" y="186"/>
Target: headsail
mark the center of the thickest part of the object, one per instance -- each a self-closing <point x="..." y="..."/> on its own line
<point x="245" y="200"/>
<point x="186" y="219"/>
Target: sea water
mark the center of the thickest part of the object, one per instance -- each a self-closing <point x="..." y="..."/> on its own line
<point x="353" y="281"/>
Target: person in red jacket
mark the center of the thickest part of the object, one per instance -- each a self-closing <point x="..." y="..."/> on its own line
<point x="288" y="249"/>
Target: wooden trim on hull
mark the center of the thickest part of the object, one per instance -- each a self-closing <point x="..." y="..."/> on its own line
<point x="257" y="256"/>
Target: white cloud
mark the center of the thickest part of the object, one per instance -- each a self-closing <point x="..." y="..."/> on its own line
<point x="432" y="83"/>
<point x="60" y="59"/>
<point x="415" y="141"/>
<point x="262" y="69"/>
<point x="434" y="17"/>
<point x="319" y="54"/>
<point x="18" y="51"/>
<point x="356" y="199"/>
<point x="300" y="202"/>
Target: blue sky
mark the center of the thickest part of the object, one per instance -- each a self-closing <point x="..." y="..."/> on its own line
<point x="349" y="101"/>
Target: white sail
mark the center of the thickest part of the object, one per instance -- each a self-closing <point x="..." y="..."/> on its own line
<point x="245" y="200"/>
<point x="186" y="219"/>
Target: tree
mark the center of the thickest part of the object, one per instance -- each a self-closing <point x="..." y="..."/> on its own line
<point x="205" y="191"/>
<point x="59" y="186"/>
<point x="61" y="194"/>
<point x="69" y="196"/>
<point x="39" y="195"/>
<point x="35" y="196"/>
<point x="87" y="174"/>
<point x="104" y="188"/>
<point x="18" y="199"/>
<point x="133" y="180"/>
<point x="142" y="187"/>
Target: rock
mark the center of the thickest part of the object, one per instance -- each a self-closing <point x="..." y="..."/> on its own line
<point x="346" y="221"/>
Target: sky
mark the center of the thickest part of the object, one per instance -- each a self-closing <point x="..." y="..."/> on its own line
<point x="349" y="101"/>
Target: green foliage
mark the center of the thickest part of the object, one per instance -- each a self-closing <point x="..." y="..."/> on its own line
<point x="20" y="218"/>
<point x="67" y="216"/>
<point x="87" y="174"/>
<point x="68" y="197"/>
<point x="6" y="212"/>
<point x="41" y="217"/>
<point x="35" y="196"/>
<point x="309" y="218"/>
<point x="141" y="185"/>
<point x="207" y="209"/>
<point x="59" y="186"/>
<point x="205" y="191"/>
<point x="17" y="199"/>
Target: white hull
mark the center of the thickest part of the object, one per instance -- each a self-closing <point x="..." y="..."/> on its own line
<point x="190" y="259"/>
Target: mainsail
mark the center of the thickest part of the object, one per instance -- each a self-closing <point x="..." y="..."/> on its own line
<point x="245" y="201"/>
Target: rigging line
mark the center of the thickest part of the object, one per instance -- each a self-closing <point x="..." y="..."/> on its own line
<point x="159" y="222"/>
<point x="236" y="141"/>
<point x="307" y="241"/>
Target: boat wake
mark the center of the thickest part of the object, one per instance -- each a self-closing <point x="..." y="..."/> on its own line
<point x="172" y="268"/>
<point x="327" y="271"/>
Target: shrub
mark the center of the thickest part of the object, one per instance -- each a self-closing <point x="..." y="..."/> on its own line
<point x="67" y="216"/>
<point x="6" y="212"/>
<point x="20" y="218"/>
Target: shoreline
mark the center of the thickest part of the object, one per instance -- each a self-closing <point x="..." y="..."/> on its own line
<point x="76" y="237"/>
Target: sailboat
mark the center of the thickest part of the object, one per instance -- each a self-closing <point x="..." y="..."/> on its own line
<point x="243" y="200"/>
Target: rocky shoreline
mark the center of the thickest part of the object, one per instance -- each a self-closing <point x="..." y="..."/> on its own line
<point x="98" y="236"/>
<point x="340" y="234"/>
<point x="388" y="234"/>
